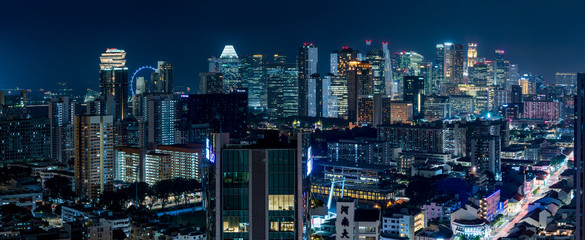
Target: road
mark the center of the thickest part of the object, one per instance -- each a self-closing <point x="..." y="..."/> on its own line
<point x="503" y="230"/>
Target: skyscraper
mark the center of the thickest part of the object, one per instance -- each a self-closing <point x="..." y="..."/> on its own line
<point x="501" y="70"/>
<point x="229" y="66"/>
<point x="94" y="155"/>
<point x="210" y="83"/>
<point x="253" y="73"/>
<point x="114" y="80"/>
<point x="388" y="79"/>
<point x="447" y="62"/>
<point x="282" y="94"/>
<point x="439" y="73"/>
<point x="406" y="64"/>
<point x="414" y="91"/>
<point x="162" y="78"/>
<point x="376" y="59"/>
<point x="307" y="63"/>
<point x="457" y="64"/>
<point x="471" y="54"/>
<point x="339" y="81"/>
<point x="61" y="113"/>
<point x="161" y="117"/>
<point x="580" y="155"/>
<point x="359" y="82"/>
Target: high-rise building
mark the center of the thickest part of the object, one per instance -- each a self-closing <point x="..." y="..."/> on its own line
<point x="471" y="54"/>
<point x="94" y="155"/>
<point x="436" y="108"/>
<point x="377" y="61"/>
<point x="501" y="70"/>
<point x="225" y="113"/>
<point x="426" y="71"/>
<point x="388" y="79"/>
<point x="388" y="112"/>
<point x="579" y="158"/>
<point x="162" y="78"/>
<point x="439" y="68"/>
<point x="256" y="191"/>
<point x="359" y="82"/>
<point x="210" y="83"/>
<point x="547" y="111"/>
<point x="61" y="113"/>
<point x="229" y="67"/>
<point x="447" y="62"/>
<point x="253" y="73"/>
<point x="315" y="95"/>
<point x="161" y="119"/>
<point x="457" y="64"/>
<point x="24" y="136"/>
<point x="307" y="63"/>
<point x="479" y="75"/>
<point x="114" y="80"/>
<point x="414" y="91"/>
<point x="514" y="75"/>
<point x="365" y="110"/>
<point x="566" y="79"/>
<point x="406" y="64"/>
<point x="282" y="94"/>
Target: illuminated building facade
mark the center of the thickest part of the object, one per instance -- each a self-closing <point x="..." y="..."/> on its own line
<point x="229" y="67"/>
<point x="253" y="73"/>
<point x="388" y="112"/>
<point x="501" y="70"/>
<point x="378" y="63"/>
<point x="282" y="95"/>
<point x="258" y="192"/>
<point x="414" y="91"/>
<point x="360" y="152"/>
<point x="471" y="54"/>
<point x="114" y="80"/>
<point x="457" y="64"/>
<point x="307" y="63"/>
<point x="365" y="110"/>
<point x="404" y="223"/>
<point x="162" y="78"/>
<point x="547" y="111"/>
<point x="359" y="82"/>
<point x="436" y="108"/>
<point x="461" y="104"/>
<point x="94" y="155"/>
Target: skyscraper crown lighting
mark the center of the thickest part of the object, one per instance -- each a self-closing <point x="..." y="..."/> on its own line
<point x="112" y="58"/>
<point x="229" y="52"/>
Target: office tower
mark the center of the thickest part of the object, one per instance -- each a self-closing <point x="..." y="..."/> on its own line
<point x="457" y="64"/>
<point x="307" y="63"/>
<point x="485" y="154"/>
<point x="340" y="60"/>
<point x="94" y="155"/>
<point x="213" y="64"/>
<point x="547" y="111"/>
<point x="501" y="70"/>
<point x="359" y="82"/>
<point x="436" y="108"/>
<point x="253" y="73"/>
<point x="229" y="67"/>
<point x="516" y="94"/>
<point x="61" y="113"/>
<point x="514" y="75"/>
<point x="461" y="104"/>
<point x="282" y="94"/>
<point x="340" y="95"/>
<point x="579" y="155"/>
<point x="525" y="84"/>
<point x="24" y="134"/>
<point x="256" y="190"/>
<point x="377" y="61"/>
<point x="447" y="62"/>
<point x="388" y="79"/>
<point x="114" y="80"/>
<point x="315" y="95"/>
<point x="388" y="112"/>
<point x="479" y="75"/>
<point x="141" y="86"/>
<point x="566" y="79"/>
<point x="162" y="78"/>
<point x="161" y="118"/>
<point x="365" y="110"/>
<point x="225" y="113"/>
<point x="406" y="64"/>
<point x="471" y="54"/>
<point x="414" y="91"/>
<point x="210" y="83"/>
<point x="426" y="71"/>
<point x="439" y="73"/>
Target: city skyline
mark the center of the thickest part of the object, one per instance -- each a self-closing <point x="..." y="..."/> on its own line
<point x="42" y="42"/>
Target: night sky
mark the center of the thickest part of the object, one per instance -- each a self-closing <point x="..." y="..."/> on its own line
<point x="45" y="42"/>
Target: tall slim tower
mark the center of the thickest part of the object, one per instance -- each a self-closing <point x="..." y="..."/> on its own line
<point x="162" y="78"/>
<point x="307" y="64"/>
<point x="359" y="82"/>
<point x="471" y="54"/>
<point x="388" y="80"/>
<point x="457" y="65"/>
<point x="580" y="155"/>
<point x="448" y="62"/>
<point x="253" y="72"/>
<point x="229" y="66"/>
<point x="114" y="80"/>
<point x="94" y="155"/>
<point x="501" y="70"/>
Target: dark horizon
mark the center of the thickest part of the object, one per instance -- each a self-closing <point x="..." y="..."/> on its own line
<point x="61" y="42"/>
